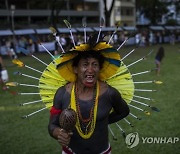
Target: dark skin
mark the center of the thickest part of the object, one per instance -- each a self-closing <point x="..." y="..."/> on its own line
<point x="87" y="75"/>
<point x="63" y="136"/>
<point x="87" y="72"/>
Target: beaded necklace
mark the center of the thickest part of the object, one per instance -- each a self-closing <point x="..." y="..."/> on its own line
<point x="85" y="121"/>
<point x="89" y="123"/>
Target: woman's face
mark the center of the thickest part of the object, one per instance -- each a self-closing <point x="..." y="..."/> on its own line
<point x="87" y="71"/>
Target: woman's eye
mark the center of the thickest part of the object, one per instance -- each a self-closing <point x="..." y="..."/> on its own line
<point x="85" y="64"/>
<point x="95" y="64"/>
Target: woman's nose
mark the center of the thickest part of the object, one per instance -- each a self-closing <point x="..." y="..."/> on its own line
<point x="90" y="68"/>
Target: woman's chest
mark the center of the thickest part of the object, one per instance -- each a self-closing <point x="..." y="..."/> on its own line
<point x="86" y="109"/>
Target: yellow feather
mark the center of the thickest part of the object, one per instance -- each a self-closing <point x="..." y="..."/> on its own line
<point x="47" y="99"/>
<point x="82" y="47"/>
<point x="123" y="82"/>
<point x="122" y="69"/>
<point x="102" y="45"/>
<point x="51" y="82"/>
<point x="53" y="30"/>
<point x="50" y="87"/>
<point x="47" y="92"/>
<point x="57" y="60"/>
<point x="49" y="105"/>
<point x="120" y="77"/>
<point x="52" y="68"/>
<point x="158" y="82"/>
<point x="13" y="84"/>
<point x="147" y="113"/>
<point x="67" y="57"/>
<point x="18" y="62"/>
<point x="67" y="72"/>
<point x="48" y="74"/>
<point x="107" y="71"/>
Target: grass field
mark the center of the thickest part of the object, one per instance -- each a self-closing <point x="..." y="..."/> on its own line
<point x="30" y="136"/>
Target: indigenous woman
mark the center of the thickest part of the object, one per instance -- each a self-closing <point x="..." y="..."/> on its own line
<point x="96" y="103"/>
<point x="158" y="59"/>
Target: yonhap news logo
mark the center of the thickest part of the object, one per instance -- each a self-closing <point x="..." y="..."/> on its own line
<point x="133" y="139"/>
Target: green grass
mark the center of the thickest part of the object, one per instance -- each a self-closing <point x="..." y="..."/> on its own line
<point x="30" y="136"/>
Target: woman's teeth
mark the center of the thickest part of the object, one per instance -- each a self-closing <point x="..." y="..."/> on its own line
<point x="89" y="78"/>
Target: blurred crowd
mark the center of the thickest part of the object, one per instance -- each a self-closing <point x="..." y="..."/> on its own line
<point x="12" y="46"/>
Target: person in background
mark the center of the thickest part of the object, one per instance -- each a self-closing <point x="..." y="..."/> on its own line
<point x="1" y="69"/>
<point x="12" y="52"/>
<point x="158" y="59"/>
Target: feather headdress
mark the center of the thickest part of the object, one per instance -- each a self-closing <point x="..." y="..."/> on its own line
<point x="60" y="71"/>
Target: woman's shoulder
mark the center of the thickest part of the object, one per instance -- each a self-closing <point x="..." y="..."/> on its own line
<point x="60" y="91"/>
<point x="108" y="91"/>
<point x="68" y="87"/>
<point x="112" y="90"/>
<point x="65" y="88"/>
<point x="104" y="87"/>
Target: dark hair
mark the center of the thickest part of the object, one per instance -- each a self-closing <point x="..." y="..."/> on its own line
<point x="93" y="38"/>
<point x="161" y="50"/>
<point x="160" y="54"/>
<point x="88" y="54"/>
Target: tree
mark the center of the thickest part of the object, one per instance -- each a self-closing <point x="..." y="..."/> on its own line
<point x="177" y="4"/>
<point x="171" y="22"/>
<point x="152" y="9"/>
<point x="107" y="12"/>
<point x="56" y="7"/>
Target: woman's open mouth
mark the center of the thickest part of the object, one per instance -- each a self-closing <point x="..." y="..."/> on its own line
<point x="89" y="78"/>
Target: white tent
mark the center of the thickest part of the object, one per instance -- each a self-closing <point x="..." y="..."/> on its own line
<point x="156" y="28"/>
<point x="24" y="31"/>
<point x="66" y="30"/>
<point x="129" y="28"/>
<point x="107" y="29"/>
<point x="177" y="27"/>
<point x="43" y="31"/>
<point x="5" y="32"/>
<point x="88" y="29"/>
<point x="170" y="27"/>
